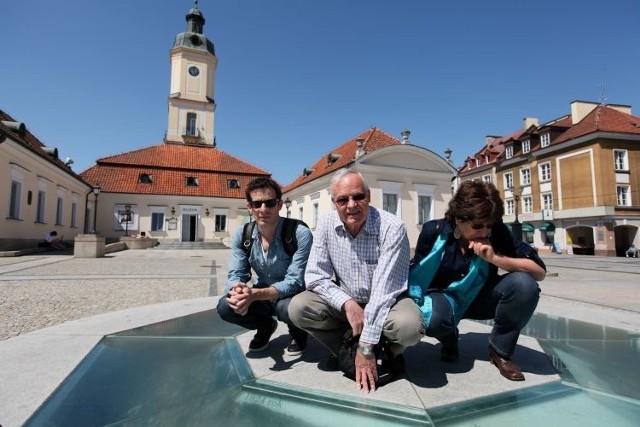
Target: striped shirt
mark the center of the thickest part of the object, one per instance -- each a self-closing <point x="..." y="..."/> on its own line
<point x="371" y="268"/>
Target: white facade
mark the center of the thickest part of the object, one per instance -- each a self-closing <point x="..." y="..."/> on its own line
<point x="173" y="218"/>
<point x="403" y="179"/>
<point x="38" y="195"/>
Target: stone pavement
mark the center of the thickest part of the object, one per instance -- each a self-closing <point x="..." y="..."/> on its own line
<point x="593" y="289"/>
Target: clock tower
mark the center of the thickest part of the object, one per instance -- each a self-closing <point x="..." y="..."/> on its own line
<point x="193" y="70"/>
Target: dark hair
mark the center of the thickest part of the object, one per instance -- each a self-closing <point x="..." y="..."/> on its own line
<point x="475" y="200"/>
<point x="263" y="182"/>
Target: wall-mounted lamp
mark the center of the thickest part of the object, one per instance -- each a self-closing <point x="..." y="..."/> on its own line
<point x="287" y="204"/>
<point x="206" y="211"/>
<point x="173" y="211"/>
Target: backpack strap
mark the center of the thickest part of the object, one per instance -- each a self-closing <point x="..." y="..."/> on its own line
<point x="247" y="237"/>
<point x="288" y="235"/>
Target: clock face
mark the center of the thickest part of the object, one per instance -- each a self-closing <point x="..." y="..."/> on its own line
<point x="194" y="71"/>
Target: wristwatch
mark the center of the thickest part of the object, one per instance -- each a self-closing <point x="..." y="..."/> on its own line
<point x="365" y="350"/>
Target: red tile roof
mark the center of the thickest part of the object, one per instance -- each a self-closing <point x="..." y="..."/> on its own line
<point x="374" y="139"/>
<point x="492" y="151"/>
<point x="601" y="119"/>
<point x="561" y="122"/>
<point x="169" y="165"/>
<point x="179" y="156"/>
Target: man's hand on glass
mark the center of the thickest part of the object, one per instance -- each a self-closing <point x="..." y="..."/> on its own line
<point x="366" y="371"/>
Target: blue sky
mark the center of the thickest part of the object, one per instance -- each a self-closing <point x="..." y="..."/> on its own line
<point x="297" y="78"/>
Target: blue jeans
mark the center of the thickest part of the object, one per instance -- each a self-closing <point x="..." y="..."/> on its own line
<point x="259" y="314"/>
<point x="510" y="302"/>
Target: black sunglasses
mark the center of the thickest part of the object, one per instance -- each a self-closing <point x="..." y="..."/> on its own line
<point x="257" y="204"/>
<point x="343" y="200"/>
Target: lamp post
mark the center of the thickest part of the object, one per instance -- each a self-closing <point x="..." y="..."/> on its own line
<point x="96" y="192"/>
<point x="516" y="226"/>
<point x="127" y="209"/>
<point x="287" y="204"/>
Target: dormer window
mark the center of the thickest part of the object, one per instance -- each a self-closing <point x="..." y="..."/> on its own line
<point x="233" y="184"/>
<point x="307" y="171"/>
<point x="332" y="158"/>
<point x="545" y="139"/>
<point x="509" y="152"/>
<point x="526" y="145"/>
<point x="145" y="178"/>
<point x="191" y="181"/>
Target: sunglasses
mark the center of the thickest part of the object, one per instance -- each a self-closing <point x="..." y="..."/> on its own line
<point x="481" y="226"/>
<point x="343" y="200"/>
<point x="257" y="204"/>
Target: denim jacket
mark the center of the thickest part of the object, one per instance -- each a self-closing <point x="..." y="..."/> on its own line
<point x="284" y="273"/>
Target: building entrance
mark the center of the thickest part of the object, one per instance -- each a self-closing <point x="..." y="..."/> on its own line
<point x="189" y="228"/>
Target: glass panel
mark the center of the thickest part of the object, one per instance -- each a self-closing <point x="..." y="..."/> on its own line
<point x="204" y="324"/>
<point x="191" y="371"/>
<point x="146" y="381"/>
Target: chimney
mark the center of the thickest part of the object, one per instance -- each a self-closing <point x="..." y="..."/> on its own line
<point x="489" y="139"/>
<point x="360" y="149"/>
<point x="580" y="109"/>
<point x="530" y="121"/>
<point x="622" y="108"/>
<point x="405" y="136"/>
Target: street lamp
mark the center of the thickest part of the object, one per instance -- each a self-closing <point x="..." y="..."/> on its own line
<point x="516" y="226"/>
<point x="287" y="204"/>
<point x="96" y="192"/>
<point x="127" y="209"/>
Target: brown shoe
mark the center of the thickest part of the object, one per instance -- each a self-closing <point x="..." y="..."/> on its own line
<point x="507" y="368"/>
